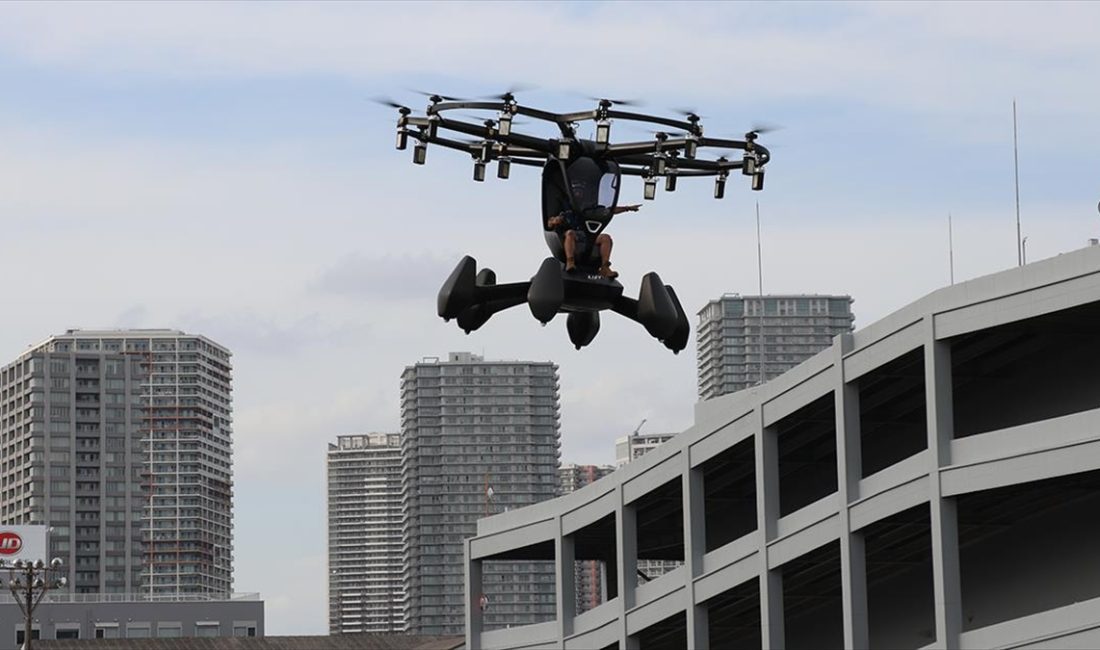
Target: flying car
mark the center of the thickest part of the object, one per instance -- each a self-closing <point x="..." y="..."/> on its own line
<point x="581" y="177"/>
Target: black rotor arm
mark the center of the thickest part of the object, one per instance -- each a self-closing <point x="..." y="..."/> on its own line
<point x="472" y="148"/>
<point x="655" y="119"/>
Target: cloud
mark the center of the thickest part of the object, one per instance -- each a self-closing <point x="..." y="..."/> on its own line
<point x="385" y="276"/>
<point x="934" y="56"/>
<point x="248" y="331"/>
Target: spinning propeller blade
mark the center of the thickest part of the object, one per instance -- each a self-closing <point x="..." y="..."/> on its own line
<point x="760" y="128"/>
<point x="510" y="94"/>
<point x="436" y="97"/>
<point x="616" y="102"/>
<point x="690" y="113"/>
<point x="386" y="101"/>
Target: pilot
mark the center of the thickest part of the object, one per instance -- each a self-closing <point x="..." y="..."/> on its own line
<point x="568" y="225"/>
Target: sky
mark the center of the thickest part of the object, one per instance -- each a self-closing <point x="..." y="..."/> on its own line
<point x="220" y="168"/>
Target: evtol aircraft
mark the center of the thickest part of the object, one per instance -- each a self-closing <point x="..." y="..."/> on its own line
<point x="581" y="179"/>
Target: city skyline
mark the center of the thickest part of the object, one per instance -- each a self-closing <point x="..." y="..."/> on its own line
<point x="160" y="169"/>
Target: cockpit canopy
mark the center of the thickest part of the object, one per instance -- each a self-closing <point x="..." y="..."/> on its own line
<point x="588" y="187"/>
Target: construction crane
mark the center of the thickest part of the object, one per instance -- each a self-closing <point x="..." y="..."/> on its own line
<point x="639" y="427"/>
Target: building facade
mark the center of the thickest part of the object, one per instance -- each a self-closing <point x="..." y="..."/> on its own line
<point x="477" y="437"/>
<point x="572" y="477"/>
<point x="365" y="592"/>
<point x="743" y="341"/>
<point x="106" y="616"/>
<point x="121" y="440"/>
<point x="931" y="480"/>
<point x="636" y="445"/>
<point x="590" y="575"/>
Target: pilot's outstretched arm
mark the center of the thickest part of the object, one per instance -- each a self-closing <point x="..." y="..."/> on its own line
<point x="626" y="208"/>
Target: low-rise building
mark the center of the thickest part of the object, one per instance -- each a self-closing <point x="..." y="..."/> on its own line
<point x="133" y="616"/>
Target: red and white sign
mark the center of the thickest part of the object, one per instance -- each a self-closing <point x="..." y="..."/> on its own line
<point x="27" y="543"/>
<point x="10" y="543"/>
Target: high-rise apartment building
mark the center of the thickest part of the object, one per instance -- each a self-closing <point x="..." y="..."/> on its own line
<point x="121" y="440"/>
<point x="365" y="593"/>
<point x="745" y="340"/>
<point x="572" y="477"/>
<point x="589" y="576"/>
<point x="477" y="437"/>
<point x="636" y="445"/>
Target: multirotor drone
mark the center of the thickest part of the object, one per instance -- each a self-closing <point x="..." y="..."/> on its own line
<point x="580" y="193"/>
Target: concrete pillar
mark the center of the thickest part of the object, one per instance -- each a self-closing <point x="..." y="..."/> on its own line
<point x="767" y="519"/>
<point x="474" y="589"/>
<point x="695" y="546"/>
<point x="565" y="588"/>
<point x="853" y="559"/>
<point x="946" y="585"/>
<point x="626" y="543"/>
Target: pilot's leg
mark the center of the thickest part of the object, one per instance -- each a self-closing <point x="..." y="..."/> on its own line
<point x="603" y="242"/>
<point x="570" y="250"/>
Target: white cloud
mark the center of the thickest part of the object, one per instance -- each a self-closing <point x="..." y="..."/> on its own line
<point x="934" y="56"/>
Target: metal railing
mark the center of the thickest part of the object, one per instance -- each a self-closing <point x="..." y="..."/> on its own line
<point x="140" y="598"/>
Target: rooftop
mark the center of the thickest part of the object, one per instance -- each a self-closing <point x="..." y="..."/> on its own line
<point x="336" y="642"/>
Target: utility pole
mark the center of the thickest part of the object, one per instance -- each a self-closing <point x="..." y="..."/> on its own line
<point x="29" y="582"/>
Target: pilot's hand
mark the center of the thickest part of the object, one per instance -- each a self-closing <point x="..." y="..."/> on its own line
<point x="632" y="208"/>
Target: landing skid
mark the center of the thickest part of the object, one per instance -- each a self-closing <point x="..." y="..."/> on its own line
<point x="472" y="297"/>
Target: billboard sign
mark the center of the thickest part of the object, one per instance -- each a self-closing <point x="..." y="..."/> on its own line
<point x="27" y="543"/>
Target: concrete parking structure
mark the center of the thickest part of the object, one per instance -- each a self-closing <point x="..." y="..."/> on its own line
<point x="931" y="480"/>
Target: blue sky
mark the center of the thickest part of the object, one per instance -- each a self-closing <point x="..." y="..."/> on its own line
<point x="219" y="168"/>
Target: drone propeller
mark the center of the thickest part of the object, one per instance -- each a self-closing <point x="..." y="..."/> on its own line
<point x="668" y="133"/>
<point x="386" y="101"/>
<point x="509" y="95"/>
<point x="690" y="113"/>
<point x="760" y="128"/>
<point x="616" y="102"/>
<point x="436" y="97"/>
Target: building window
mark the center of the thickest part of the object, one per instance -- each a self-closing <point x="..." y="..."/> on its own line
<point x="106" y="631"/>
<point x="169" y="630"/>
<point x="20" y="638"/>
<point x="137" y="631"/>
<point x="207" y="629"/>
<point x="66" y="631"/>
<point x="244" y="629"/>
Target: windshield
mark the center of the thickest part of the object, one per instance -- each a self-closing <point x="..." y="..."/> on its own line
<point x="609" y="189"/>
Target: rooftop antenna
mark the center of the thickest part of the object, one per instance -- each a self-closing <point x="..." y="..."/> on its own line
<point x="950" y="248"/>
<point x="760" y="283"/>
<point x="1016" y="165"/>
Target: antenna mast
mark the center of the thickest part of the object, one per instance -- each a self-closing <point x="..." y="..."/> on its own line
<point x="1016" y="165"/>
<point x="950" y="248"/>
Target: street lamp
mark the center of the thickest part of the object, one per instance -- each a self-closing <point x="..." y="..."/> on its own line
<point x="29" y="581"/>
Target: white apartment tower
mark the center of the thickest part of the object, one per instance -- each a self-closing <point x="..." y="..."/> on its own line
<point x="121" y="440"/>
<point x="365" y="593"/>
<point x="743" y="341"/>
<point x="477" y="438"/>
